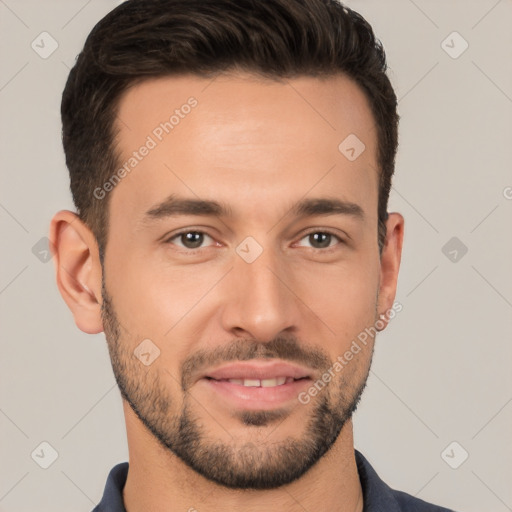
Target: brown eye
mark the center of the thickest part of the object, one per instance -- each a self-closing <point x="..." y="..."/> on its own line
<point x="189" y="239"/>
<point x="321" y="239"/>
<point x="192" y="240"/>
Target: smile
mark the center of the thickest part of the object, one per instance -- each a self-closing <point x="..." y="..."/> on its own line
<point x="256" y="384"/>
<point x="260" y="383"/>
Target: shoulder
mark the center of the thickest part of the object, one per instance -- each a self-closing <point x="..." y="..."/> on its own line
<point x="379" y="497"/>
<point x="412" y="504"/>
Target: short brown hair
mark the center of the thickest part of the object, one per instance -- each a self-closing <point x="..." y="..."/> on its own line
<point x="142" y="39"/>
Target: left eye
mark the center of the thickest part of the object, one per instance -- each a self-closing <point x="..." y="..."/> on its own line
<point x="190" y="239"/>
<point x="321" y="239"/>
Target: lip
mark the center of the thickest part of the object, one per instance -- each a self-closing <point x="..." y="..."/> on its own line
<point x="258" y="370"/>
<point x="253" y="397"/>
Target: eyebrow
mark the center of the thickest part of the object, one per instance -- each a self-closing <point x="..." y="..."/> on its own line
<point x="174" y="206"/>
<point x="327" y="206"/>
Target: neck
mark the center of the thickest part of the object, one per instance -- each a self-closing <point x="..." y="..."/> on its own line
<point x="158" y="481"/>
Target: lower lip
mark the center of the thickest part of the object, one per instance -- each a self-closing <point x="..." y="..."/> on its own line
<point x="252" y="397"/>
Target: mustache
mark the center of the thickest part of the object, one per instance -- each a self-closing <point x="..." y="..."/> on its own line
<point x="285" y="348"/>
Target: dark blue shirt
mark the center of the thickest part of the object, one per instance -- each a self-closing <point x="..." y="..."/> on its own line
<point x="377" y="496"/>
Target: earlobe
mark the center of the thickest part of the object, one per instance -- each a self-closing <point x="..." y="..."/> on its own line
<point x="78" y="269"/>
<point x="390" y="265"/>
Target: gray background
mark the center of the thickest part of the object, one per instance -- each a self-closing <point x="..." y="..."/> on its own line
<point x="442" y="370"/>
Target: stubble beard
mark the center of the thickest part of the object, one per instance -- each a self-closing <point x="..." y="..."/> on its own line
<point x="240" y="463"/>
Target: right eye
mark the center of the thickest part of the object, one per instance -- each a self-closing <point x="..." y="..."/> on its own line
<point x="189" y="239"/>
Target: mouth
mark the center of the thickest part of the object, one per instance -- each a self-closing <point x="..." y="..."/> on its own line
<point x="256" y="385"/>
<point x="259" y="383"/>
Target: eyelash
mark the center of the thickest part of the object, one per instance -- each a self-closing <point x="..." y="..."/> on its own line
<point x="192" y="251"/>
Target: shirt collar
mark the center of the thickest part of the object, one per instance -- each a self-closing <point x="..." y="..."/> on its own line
<point x="112" y="500"/>
<point x="377" y="495"/>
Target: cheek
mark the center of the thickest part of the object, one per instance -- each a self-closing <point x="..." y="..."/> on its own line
<point x="343" y="295"/>
<point x="155" y="299"/>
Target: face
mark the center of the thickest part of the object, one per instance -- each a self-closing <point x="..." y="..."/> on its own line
<point x="242" y="262"/>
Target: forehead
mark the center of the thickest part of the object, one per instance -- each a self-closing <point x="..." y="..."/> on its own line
<point x="245" y="135"/>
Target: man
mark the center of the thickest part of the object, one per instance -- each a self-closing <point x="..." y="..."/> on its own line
<point x="231" y="163"/>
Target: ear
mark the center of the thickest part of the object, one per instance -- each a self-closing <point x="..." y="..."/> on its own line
<point x="390" y="265"/>
<point x="78" y="269"/>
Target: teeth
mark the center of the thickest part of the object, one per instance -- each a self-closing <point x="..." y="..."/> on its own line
<point x="252" y="383"/>
<point x="265" y="383"/>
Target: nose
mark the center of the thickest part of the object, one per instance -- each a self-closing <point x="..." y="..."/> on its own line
<point x="260" y="301"/>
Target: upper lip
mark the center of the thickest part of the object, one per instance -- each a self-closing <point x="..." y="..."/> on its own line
<point x="257" y="370"/>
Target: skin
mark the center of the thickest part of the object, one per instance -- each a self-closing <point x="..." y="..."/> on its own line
<point x="259" y="147"/>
